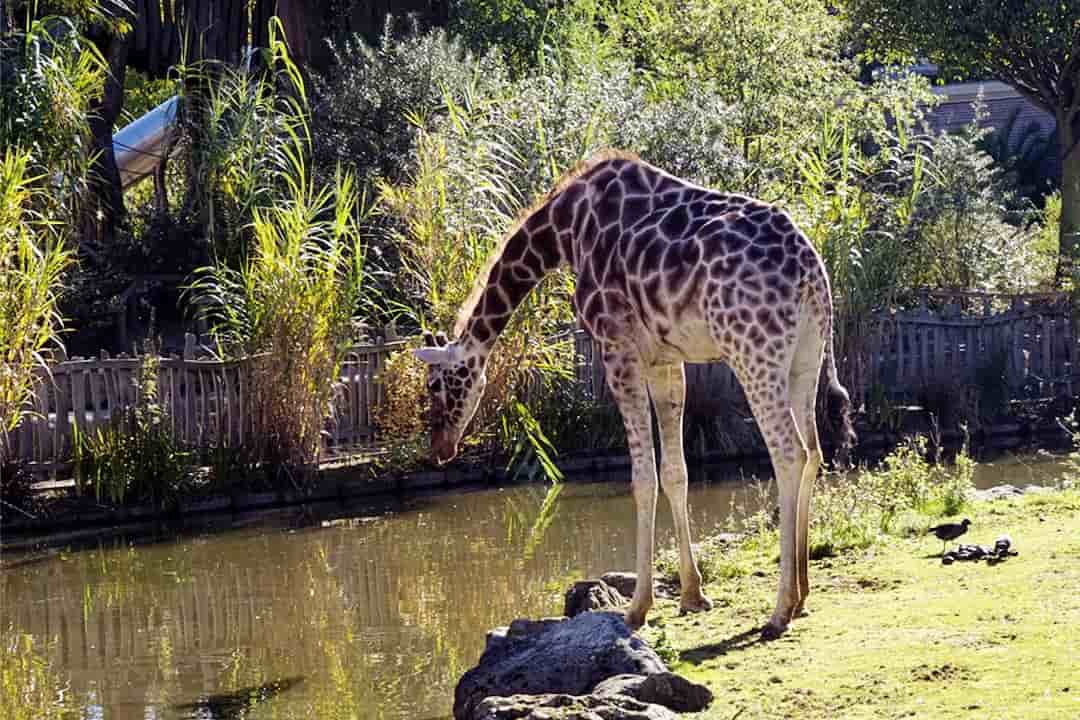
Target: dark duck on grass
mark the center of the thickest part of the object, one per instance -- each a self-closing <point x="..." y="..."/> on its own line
<point x="949" y="531"/>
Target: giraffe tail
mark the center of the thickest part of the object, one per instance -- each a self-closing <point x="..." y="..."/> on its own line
<point x="838" y="404"/>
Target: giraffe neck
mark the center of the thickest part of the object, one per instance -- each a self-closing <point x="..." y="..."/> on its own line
<point x="540" y="243"/>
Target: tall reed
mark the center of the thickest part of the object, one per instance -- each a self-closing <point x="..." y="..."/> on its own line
<point x="285" y="293"/>
<point x="33" y="260"/>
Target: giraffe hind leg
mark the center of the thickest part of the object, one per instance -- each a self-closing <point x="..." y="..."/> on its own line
<point x="805" y="374"/>
<point x="766" y="383"/>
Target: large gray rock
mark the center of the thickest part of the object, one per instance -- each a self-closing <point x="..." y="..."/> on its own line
<point x="554" y="657"/>
<point x="668" y="689"/>
<point x="587" y="595"/>
<point x="568" y="707"/>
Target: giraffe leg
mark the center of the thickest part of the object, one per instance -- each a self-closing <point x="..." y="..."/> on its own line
<point x="667" y="386"/>
<point x="771" y="405"/>
<point x="627" y="382"/>
<point x="805" y="372"/>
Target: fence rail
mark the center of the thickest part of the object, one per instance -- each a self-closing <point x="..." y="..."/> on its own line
<point x="207" y="402"/>
<point x="949" y="339"/>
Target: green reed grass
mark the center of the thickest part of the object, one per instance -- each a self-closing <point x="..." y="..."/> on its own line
<point x="33" y="260"/>
<point x="286" y="284"/>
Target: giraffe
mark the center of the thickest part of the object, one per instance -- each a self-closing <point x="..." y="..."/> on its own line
<point x="668" y="272"/>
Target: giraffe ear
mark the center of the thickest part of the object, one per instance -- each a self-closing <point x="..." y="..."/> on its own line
<point x="432" y="355"/>
<point x="440" y="339"/>
<point x="429" y="339"/>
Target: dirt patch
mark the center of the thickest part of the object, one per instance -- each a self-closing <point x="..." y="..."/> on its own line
<point x="940" y="673"/>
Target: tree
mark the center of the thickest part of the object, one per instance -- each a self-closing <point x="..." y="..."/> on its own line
<point x="1033" y="45"/>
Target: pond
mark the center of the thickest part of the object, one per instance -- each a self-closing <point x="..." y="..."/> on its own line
<point x="372" y="611"/>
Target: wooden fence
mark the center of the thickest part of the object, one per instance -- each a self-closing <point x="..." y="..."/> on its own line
<point x="949" y="339"/>
<point x="207" y="401"/>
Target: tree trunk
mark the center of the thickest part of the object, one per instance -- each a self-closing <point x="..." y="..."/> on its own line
<point x="1069" y="232"/>
<point x="105" y="208"/>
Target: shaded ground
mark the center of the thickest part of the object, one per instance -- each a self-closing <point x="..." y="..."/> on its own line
<point x="893" y="633"/>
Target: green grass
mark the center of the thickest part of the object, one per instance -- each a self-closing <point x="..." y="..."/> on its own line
<point x="893" y="633"/>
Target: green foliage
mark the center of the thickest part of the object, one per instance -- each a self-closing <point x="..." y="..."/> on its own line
<point x="135" y="459"/>
<point x="289" y="309"/>
<point x="33" y="261"/>
<point x="241" y="133"/>
<point x="289" y="269"/>
<point x="1030" y="45"/>
<point x="142" y="94"/>
<point x="1026" y="154"/>
<point x="49" y="75"/>
<point x="517" y="27"/>
<point x="367" y="105"/>
<point x="971" y="237"/>
<point x="850" y="512"/>
<point x="531" y="452"/>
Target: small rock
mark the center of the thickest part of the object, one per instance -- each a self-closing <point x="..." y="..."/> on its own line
<point x="775" y="680"/>
<point x="588" y="595"/>
<point x="1038" y="490"/>
<point x="668" y="689"/>
<point x="998" y="492"/>
<point x="623" y="582"/>
<point x="567" y="707"/>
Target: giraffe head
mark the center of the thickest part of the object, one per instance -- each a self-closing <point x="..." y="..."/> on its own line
<point x="455" y="385"/>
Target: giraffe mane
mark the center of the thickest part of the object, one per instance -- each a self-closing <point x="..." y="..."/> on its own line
<point x="480" y="284"/>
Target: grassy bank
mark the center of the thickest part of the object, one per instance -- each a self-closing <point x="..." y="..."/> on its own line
<point x="893" y="633"/>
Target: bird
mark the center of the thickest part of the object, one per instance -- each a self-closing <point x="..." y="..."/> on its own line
<point x="949" y="531"/>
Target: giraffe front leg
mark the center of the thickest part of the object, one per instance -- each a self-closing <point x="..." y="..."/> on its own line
<point x="627" y="382"/>
<point x="667" y="386"/>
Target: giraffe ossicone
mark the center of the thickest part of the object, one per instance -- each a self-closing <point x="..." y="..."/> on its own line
<point x="668" y="272"/>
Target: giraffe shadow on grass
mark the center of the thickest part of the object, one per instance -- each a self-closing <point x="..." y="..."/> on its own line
<point x="740" y="641"/>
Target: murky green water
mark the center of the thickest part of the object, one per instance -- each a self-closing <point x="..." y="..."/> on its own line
<point x="367" y="612"/>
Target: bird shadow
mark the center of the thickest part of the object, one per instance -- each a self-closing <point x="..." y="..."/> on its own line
<point x="741" y="641"/>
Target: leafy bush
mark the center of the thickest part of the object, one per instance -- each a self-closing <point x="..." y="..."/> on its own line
<point x="367" y="106"/>
<point x="850" y="512"/>
<point x="400" y="415"/>
<point x="970" y="238"/>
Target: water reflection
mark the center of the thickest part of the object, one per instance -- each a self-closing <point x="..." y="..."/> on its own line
<point x="378" y="614"/>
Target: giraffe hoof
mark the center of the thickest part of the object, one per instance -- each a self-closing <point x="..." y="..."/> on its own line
<point x="634" y="620"/>
<point x="772" y="631"/>
<point x="695" y="604"/>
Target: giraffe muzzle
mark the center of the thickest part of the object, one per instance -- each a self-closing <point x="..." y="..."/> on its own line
<point x="443" y="450"/>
